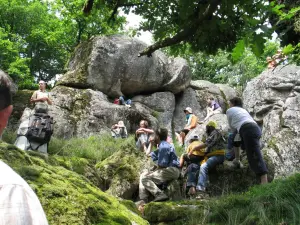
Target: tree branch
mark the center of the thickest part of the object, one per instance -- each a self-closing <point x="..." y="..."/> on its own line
<point x="185" y="32"/>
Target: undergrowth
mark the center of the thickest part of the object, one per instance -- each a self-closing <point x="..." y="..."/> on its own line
<point x="274" y="203"/>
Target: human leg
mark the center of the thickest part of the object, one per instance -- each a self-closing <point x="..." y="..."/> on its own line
<point x="212" y="162"/>
<point x="250" y="134"/>
<point x="157" y="177"/>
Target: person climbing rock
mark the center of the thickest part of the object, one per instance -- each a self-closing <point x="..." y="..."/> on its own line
<point x="241" y="121"/>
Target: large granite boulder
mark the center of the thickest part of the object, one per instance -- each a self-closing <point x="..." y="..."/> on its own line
<point x="273" y="98"/>
<point x="196" y="97"/>
<point x="84" y="112"/>
<point x="221" y="92"/>
<point x="161" y="105"/>
<point x="110" y="64"/>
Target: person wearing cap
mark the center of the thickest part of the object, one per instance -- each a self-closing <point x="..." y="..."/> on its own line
<point x="192" y="156"/>
<point x="241" y="121"/>
<point x="19" y="203"/>
<point x="119" y="130"/>
<point x="41" y="98"/>
<point x="215" y="146"/>
<point x="191" y="123"/>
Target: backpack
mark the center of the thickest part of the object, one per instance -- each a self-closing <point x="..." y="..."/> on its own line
<point x="40" y="128"/>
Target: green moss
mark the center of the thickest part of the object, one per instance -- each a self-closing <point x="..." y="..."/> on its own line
<point x="155" y="114"/>
<point x="67" y="197"/>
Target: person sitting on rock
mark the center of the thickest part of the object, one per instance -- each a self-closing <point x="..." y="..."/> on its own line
<point x="192" y="156"/>
<point x="123" y="102"/>
<point x="19" y="203"/>
<point x="143" y="136"/>
<point x="271" y="63"/>
<point x="119" y="130"/>
<point x="242" y="122"/>
<point x="212" y="108"/>
<point x="41" y="98"/>
<point x="167" y="170"/>
<point x="214" y="145"/>
<point x="191" y="123"/>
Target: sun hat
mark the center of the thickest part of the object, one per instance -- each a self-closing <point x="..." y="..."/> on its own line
<point x="188" y="109"/>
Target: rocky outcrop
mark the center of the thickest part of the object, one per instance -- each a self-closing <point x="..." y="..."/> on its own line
<point x="83" y="112"/>
<point x="67" y="197"/>
<point x="103" y="61"/>
<point x="273" y="98"/>
<point x="160" y="105"/>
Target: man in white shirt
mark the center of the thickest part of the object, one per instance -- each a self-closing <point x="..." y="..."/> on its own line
<point x="241" y="121"/>
<point x="19" y="205"/>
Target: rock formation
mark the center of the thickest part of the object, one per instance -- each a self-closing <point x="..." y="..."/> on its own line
<point x="273" y="98"/>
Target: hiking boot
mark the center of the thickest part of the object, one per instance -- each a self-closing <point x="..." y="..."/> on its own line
<point x="201" y="195"/>
<point x="237" y="164"/>
<point x="160" y="197"/>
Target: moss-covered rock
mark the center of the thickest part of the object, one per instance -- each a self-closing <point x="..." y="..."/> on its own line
<point x="121" y="171"/>
<point x="174" y="213"/>
<point x="67" y="197"/>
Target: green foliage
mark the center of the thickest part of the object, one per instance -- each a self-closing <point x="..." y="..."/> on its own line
<point x="93" y="148"/>
<point x="37" y="37"/>
<point x="274" y="203"/>
<point x="235" y="69"/>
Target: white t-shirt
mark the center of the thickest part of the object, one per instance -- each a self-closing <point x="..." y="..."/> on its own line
<point x="39" y="94"/>
<point x="238" y="116"/>
<point x="19" y="204"/>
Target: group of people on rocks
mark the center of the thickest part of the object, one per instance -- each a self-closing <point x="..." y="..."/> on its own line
<point x="277" y="59"/>
<point x="201" y="155"/>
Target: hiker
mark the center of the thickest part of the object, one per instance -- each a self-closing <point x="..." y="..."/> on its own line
<point x="143" y="136"/>
<point x="241" y="121"/>
<point x="166" y="171"/>
<point x="192" y="156"/>
<point x="36" y="126"/>
<point x="19" y="203"/>
<point x="212" y="108"/>
<point x="214" y="145"/>
<point x="41" y="98"/>
<point x="271" y="63"/>
<point x="191" y="123"/>
<point x="123" y="102"/>
<point x="119" y="130"/>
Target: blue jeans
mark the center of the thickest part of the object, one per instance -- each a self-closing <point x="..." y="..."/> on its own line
<point x="192" y="171"/>
<point x="212" y="162"/>
<point x="121" y="100"/>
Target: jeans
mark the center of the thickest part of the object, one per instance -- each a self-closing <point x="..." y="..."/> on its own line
<point x="121" y="100"/>
<point x="212" y="162"/>
<point x="250" y="134"/>
<point x="192" y="171"/>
